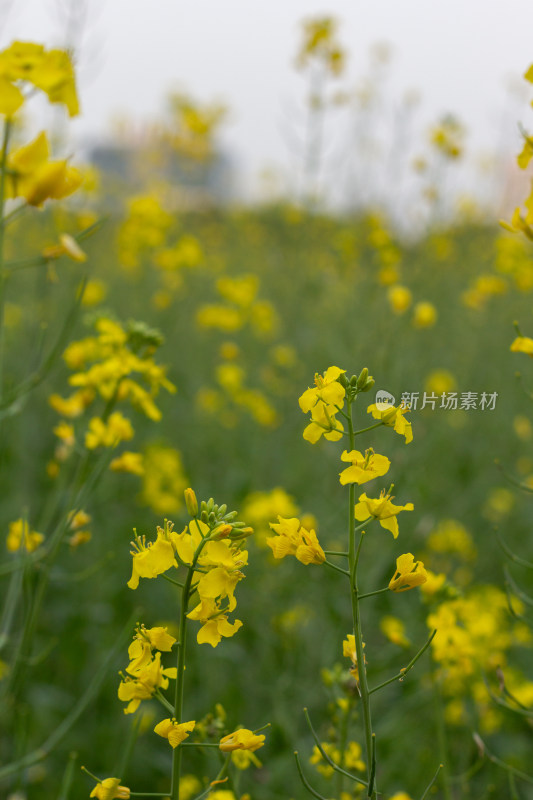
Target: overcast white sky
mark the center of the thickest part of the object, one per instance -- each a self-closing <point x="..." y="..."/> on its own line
<point x="458" y="53"/>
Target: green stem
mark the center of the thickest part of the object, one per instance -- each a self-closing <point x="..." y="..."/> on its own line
<point x="3" y="163"/>
<point x="336" y="568"/>
<point x="364" y="430"/>
<point x="371" y="594"/>
<point x="357" y="627"/>
<point x="180" y="677"/>
<point x="441" y="738"/>
<point x="403" y="672"/>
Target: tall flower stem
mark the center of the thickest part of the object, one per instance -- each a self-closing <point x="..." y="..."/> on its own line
<point x="353" y="558"/>
<point x="3" y="168"/>
<point x="180" y="677"/>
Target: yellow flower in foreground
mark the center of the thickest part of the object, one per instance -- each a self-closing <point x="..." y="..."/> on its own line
<point x="48" y="70"/>
<point x="174" y="731"/>
<point x="154" y="558"/>
<point x="323" y="423"/>
<point x="243" y="739"/>
<point x="215" y="624"/>
<point x="522" y="344"/>
<point x="19" y="531"/>
<point x="36" y="178"/>
<point x="381" y="509"/>
<point x="110" y="789"/>
<point x="363" y="467"/>
<point x="393" y="418"/>
<point x="144" y="683"/>
<point x="409" y="574"/>
<point x="294" y="540"/>
<point x="327" y="389"/>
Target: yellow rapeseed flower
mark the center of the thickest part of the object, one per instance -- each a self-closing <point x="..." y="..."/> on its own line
<point x="110" y="789"/>
<point x="33" y="176"/>
<point x="174" y="731"/>
<point x="393" y="418"/>
<point x="382" y="509"/>
<point x="424" y="315"/>
<point x="293" y="539"/>
<point x="19" y="534"/>
<point x="522" y="344"/>
<point x="363" y="467"/>
<point x="400" y="298"/>
<point x="128" y="462"/>
<point x="243" y="739"/>
<point x="409" y="574"/>
<point x="154" y="558"/>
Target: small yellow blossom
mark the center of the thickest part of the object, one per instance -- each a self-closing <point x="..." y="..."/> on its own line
<point x="243" y="739"/>
<point x="433" y="583"/>
<point x="174" y="731"/>
<point x="144" y="683"/>
<point x="409" y="573"/>
<point x="382" y="509"/>
<point x="522" y="344"/>
<point x="349" y="651"/>
<point x="394" y="630"/>
<point x="154" y="558"/>
<point x="363" y="467"/>
<point x="293" y="539"/>
<point x="72" y="406"/>
<point x="399" y="298"/>
<point x="19" y="533"/>
<point x="393" y="418"/>
<point x="215" y="624"/>
<point x="424" y="315"/>
<point x="33" y="176"/>
<point x="116" y="429"/>
<point x="128" y="462"/>
<point x="65" y="432"/>
<point x="327" y="389"/>
<point x="110" y="789"/>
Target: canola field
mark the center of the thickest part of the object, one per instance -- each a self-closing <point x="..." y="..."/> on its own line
<point x="266" y="480"/>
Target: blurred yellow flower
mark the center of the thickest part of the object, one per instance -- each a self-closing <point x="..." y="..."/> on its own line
<point x="33" y="176"/>
<point x="128" y="462"/>
<point x="400" y="298"/>
<point x="116" y="429"/>
<point x="522" y="344"/>
<point x="394" y="630"/>
<point x="424" y="315"/>
<point x="19" y="534"/>
<point x="440" y="381"/>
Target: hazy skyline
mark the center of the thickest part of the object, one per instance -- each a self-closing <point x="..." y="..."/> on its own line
<point x="458" y="55"/>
